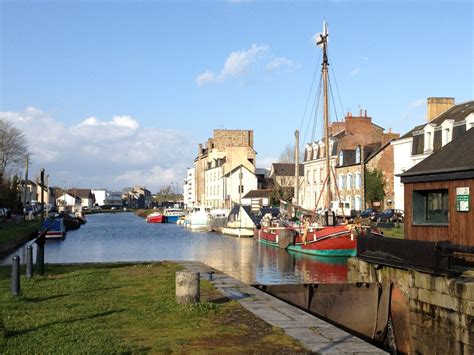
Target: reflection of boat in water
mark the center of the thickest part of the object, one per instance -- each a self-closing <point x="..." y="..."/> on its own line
<point x="310" y="268"/>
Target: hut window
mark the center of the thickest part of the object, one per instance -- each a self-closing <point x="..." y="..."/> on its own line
<point x="430" y="207"/>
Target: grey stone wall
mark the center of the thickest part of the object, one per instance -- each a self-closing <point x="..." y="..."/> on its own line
<point x="441" y="308"/>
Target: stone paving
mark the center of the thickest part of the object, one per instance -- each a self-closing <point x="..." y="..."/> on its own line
<point x="315" y="334"/>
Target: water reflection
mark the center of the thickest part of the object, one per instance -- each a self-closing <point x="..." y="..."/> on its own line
<point x="125" y="237"/>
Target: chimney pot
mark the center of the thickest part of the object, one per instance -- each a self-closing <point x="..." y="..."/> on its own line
<point x="365" y="113"/>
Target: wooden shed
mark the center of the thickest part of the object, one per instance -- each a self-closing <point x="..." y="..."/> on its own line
<point x="438" y="194"/>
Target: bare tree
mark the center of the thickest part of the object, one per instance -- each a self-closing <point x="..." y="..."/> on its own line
<point x="287" y="155"/>
<point x="13" y="146"/>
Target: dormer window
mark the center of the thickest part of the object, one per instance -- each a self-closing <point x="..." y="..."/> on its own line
<point x="358" y="154"/>
<point x="428" y="141"/>
<point x="447" y="128"/>
<point x="341" y="158"/>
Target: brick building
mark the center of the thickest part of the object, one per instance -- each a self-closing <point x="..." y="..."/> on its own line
<point x="347" y="140"/>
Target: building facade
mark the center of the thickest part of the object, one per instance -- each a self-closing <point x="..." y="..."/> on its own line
<point x="225" y="151"/>
<point x="189" y="188"/>
<point x="345" y="137"/>
<point x="445" y="122"/>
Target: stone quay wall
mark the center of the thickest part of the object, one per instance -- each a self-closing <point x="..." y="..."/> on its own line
<point x="440" y="308"/>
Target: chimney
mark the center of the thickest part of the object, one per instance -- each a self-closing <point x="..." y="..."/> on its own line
<point x="365" y="113"/>
<point x="360" y="113"/>
<point x="200" y="149"/>
<point x="438" y="105"/>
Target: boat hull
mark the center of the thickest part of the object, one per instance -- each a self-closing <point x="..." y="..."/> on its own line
<point x="56" y="229"/>
<point x="328" y="241"/>
<point x="155" y="219"/>
<point x="172" y="219"/>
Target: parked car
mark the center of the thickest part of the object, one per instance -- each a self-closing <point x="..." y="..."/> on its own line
<point x="391" y="215"/>
<point x="369" y="213"/>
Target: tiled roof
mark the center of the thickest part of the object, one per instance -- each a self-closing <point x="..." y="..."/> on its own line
<point x="286" y="169"/>
<point x="455" y="156"/>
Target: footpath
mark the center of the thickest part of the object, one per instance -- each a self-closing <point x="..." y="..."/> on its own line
<point x="315" y="334"/>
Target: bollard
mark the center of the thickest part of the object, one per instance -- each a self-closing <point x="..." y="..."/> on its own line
<point x="209" y="274"/>
<point x="29" y="261"/>
<point x="187" y="287"/>
<point x="40" y="258"/>
<point x="16" y="275"/>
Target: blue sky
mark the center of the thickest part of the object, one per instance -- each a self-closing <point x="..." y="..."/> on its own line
<point x="127" y="90"/>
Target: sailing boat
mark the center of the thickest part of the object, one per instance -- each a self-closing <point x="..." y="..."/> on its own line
<point x="327" y="240"/>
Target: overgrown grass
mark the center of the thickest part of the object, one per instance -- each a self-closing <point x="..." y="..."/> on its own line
<point x="395" y="232"/>
<point x="119" y="308"/>
<point x="12" y="230"/>
<point x="144" y="212"/>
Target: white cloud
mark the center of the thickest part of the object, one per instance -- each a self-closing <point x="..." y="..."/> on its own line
<point x="276" y="63"/>
<point x="266" y="162"/>
<point x="236" y="64"/>
<point x="205" y="78"/>
<point x="355" y="72"/>
<point x="97" y="153"/>
<point x="418" y="103"/>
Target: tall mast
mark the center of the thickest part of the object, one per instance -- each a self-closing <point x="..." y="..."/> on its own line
<point x="322" y="41"/>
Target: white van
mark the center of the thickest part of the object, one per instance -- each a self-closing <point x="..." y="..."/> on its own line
<point x="342" y="209"/>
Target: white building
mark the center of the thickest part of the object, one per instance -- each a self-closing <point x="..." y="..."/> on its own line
<point x="236" y="184"/>
<point x="105" y="197"/>
<point x="189" y="188"/>
<point x="315" y="173"/>
<point x="214" y="185"/>
<point x="446" y="121"/>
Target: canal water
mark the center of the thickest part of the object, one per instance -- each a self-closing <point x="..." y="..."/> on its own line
<point x="109" y="237"/>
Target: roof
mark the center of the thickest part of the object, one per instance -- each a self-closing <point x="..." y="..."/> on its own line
<point x="453" y="161"/>
<point x="457" y="113"/>
<point x="258" y="193"/>
<point x="286" y="169"/>
<point x="82" y="193"/>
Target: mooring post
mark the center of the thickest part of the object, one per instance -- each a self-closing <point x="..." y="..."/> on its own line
<point x="187" y="287"/>
<point x="16" y="275"/>
<point x="40" y="256"/>
<point x="29" y="261"/>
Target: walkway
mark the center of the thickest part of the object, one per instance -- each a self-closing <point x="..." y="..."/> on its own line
<point x="315" y="334"/>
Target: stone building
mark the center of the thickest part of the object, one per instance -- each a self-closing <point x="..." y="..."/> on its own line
<point x="222" y="154"/>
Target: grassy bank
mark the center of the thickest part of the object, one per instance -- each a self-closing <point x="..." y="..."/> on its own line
<point x="144" y="213"/>
<point x="126" y="309"/>
<point x="395" y="232"/>
<point x="13" y="230"/>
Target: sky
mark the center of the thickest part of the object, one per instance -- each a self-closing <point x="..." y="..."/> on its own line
<point x="111" y="94"/>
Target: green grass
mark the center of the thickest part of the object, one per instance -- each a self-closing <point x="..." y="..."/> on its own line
<point x="12" y="230"/>
<point x="123" y="308"/>
<point x="396" y="232"/>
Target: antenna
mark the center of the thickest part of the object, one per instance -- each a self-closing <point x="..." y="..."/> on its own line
<point x="322" y="38"/>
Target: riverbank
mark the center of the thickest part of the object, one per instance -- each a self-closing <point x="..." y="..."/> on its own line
<point x="109" y="308"/>
<point x="15" y="234"/>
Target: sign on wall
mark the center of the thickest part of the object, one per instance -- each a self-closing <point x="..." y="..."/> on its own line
<point x="462" y="199"/>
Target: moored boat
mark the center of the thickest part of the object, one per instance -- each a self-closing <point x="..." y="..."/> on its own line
<point x="172" y="215"/>
<point x="56" y="229"/>
<point x="322" y="241"/>
<point x="155" y="217"/>
<point x="199" y="218"/>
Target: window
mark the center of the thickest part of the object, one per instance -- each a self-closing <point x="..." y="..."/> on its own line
<point x="340" y="181"/>
<point x="341" y="158"/>
<point x="357" y="181"/>
<point x="321" y="174"/>
<point x="358" y="154"/>
<point x="314" y="175"/>
<point x="349" y="181"/>
<point x="430" y="207"/>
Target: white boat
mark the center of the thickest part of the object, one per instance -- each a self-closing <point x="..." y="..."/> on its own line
<point x="218" y="219"/>
<point x="198" y="218"/>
